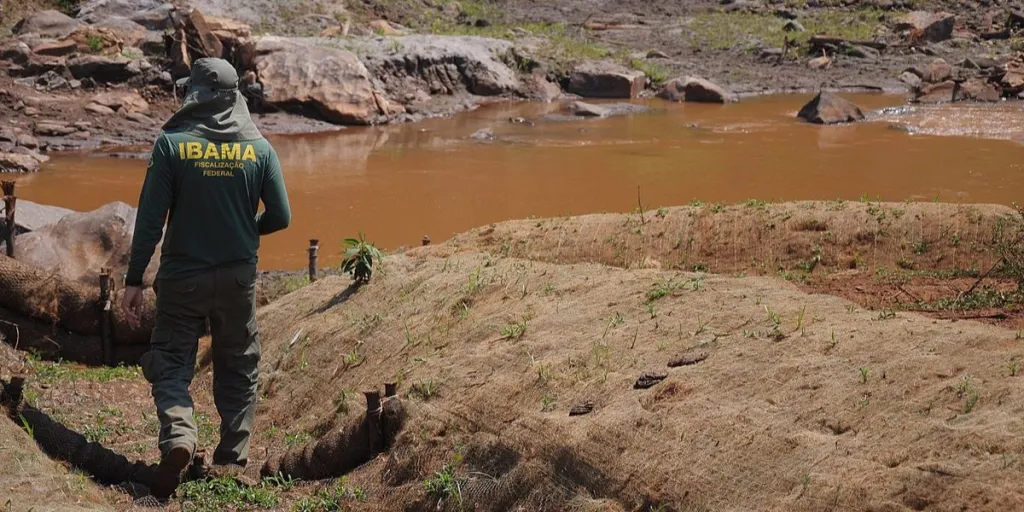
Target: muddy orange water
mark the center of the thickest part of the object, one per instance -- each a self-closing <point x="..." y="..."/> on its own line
<point x="399" y="183"/>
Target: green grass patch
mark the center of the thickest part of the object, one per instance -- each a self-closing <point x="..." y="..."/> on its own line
<point x="721" y="30"/>
<point x="330" y="499"/>
<point x="227" y="494"/>
<point x="658" y="75"/>
<point x="50" y="373"/>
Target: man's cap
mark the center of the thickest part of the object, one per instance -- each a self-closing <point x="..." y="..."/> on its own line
<point x="213" y="73"/>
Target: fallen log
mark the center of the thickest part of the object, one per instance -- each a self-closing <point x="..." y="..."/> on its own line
<point x="35" y="293"/>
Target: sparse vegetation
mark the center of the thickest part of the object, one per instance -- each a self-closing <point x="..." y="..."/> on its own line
<point x="360" y="258"/>
<point x="425" y="390"/>
<point x="514" y="331"/>
<point x="226" y="493"/>
<point x="446" y="486"/>
<point x="50" y="373"/>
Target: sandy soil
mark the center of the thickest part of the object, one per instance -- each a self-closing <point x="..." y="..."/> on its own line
<point x="863" y="409"/>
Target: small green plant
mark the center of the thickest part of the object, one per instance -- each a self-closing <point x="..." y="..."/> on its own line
<point x="654" y="71"/>
<point x="972" y="401"/>
<point x="717" y="208"/>
<point x="476" y="281"/>
<point x="773" y="317"/>
<point x="800" y="319"/>
<point x="662" y="212"/>
<point x="95" y="43"/>
<point x="547" y="403"/>
<point x="425" y="390"/>
<point x="661" y="290"/>
<point x="360" y="258"/>
<point x="330" y="499"/>
<point x="864" y="374"/>
<point x="906" y="263"/>
<point x="922" y="246"/>
<point x="514" y="331"/>
<point x="446" y="485"/>
<point x="297" y="439"/>
<point x="27" y="426"/>
<point x="1013" y="366"/>
<point x="887" y="314"/>
<point x="227" y="494"/>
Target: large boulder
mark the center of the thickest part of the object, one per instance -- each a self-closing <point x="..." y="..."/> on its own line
<point x="976" y="89"/>
<point x="442" y="64"/>
<point x="131" y="33"/>
<point x="157" y="18"/>
<point x="80" y="244"/>
<point x="32" y="216"/>
<point x="1012" y="81"/>
<point x="828" y="108"/>
<point x="16" y="162"/>
<point x="929" y="26"/>
<point x="603" y="79"/>
<point x="695" y="89"/>
<point x="937" y="71"/>
<point x="122" y="100"/>
<point x="301" y="75"/>
<point x="47" y="24"/>
<point x="95" y="40"/>
<point x="95" y="11"/>
<point x="102" y="69"/>
<point x="936" y="93"/>
<point x="582" y="109"/>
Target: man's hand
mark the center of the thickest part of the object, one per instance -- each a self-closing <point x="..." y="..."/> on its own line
<point x="131" y="304"/>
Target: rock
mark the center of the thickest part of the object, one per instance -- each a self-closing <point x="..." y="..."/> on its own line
<point x="537" y="87"/>
<point x="153" y="44"/>
<point x="128" y="100"/>
<point x="101" y="69"/>
<point x="47" y="24"/>
<point x="229" y="31"/>
<point x="828" y="108"/>
<point x="79" y="244"/>
<point x="819" y="63"/>
<point x="98" y="109"/>
<point x="13" y="162"/>
<point x="1015" y="19"/>
<point x="911" y="79"/>
<point x="657" y="54"/>
<point x="932" y="27"/>
<point x="582" y="109"/>
<point x="206" y="42"/>
<point x="157" y="18"/>
<point x="605" y="79"/>
<point x="31" y="111"/>
<point x="976" y="89"/>
<point x="1013" y="79"/>
<point x="442" y="64"/>
<point x="693" y="89"/>
<point x="27" y="141"/>
<point x="53" y="129"/>
<point x="131" y="33"/>
<point x="32" y="216"/>
<point x="382" y="27"/>
<point x="968" y="63"/>
<point x="329" y="81"/>
<point x="57" y="48"/>
<point x="793" y="26"/>
<point x="483" y="134"/>
<point x="82" y="125"/>
<point x="938" y="70"/>
<point x="139" y="118"/>
<point x="51" y="81"/>
<point x="936" y="93"/>
<point x="863" y="52"/>
<point x="16" y="52"/>
<point x="95" y="11"/>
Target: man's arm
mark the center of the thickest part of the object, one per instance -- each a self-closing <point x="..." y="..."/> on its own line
<point x="277" y="214"/>
<point x="154" y="202"/>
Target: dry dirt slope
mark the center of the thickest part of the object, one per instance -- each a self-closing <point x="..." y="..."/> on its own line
<point x="805" y="402"/>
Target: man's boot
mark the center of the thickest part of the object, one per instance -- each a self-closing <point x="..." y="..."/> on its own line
<point x="168" y="473"/>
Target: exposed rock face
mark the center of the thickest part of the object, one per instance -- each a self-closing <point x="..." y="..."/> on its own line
<point x="977" y="89"/>
<point x="937" y="71"/>
<point x="301" y="75"/>
<point x="828" y="108"/>
<point x="696" y="90"/>
<point x="80" y="244"/>
<point x="910" y="79"/>
<point x="442" y="64"/>
<point x="47" y="24"/>
<point x="936" y="93"/>
<point x="95" y="11"/>
<point x="14" y="162"/>
<point x="606" y="80"/>
<point x="930" y="26"/>
<point x="102" y="69"/>
<point x="32" y="216"/>
<point x="127" y="100"/>
<point x="131" y="33"/>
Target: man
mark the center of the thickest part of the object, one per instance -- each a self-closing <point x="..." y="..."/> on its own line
<point x="209" y="171"/>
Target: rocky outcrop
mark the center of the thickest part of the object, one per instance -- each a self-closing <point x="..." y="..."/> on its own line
<point x="102" y="69"/>
<point x="32" y="216"/>
<point x="927" y="26"/>
<point x="828" y="108"/>
<point x="976" y="89"/>
<point x="303" y="76"/>
<point x="95" y="11"/>
<point x="695" y="89"/>
<point x="605" y="79"/>
<point x="47" y="24"/>
<point x="16" y="162"/>
<point x="79" y="244"/>
<point x="938" y="70"/>
<point x="122" y="100"/>
<point x="441" y="65"/>
<point x="936" y="93"/>
<point x="131" y="33"/>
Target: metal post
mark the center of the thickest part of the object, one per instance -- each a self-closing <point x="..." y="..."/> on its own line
<point x="390" y="389"/>
<point x="314" y="247"/>
<point x="376" y="438"/>
<point x="426" y="240"/>
<point x="106" y="309"/>
<point x="9" y="207"/>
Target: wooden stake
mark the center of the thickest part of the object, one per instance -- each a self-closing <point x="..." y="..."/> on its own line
<point x="314" y="248"/>
<point x="106" y="309"/>
<point x="10" y="202"/>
